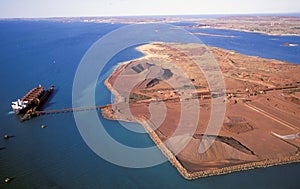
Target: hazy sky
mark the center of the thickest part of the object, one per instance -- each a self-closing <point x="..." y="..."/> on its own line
<point x="57" y="8"/>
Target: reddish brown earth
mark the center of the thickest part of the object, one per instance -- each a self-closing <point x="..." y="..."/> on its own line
<point x="262" y="97"/>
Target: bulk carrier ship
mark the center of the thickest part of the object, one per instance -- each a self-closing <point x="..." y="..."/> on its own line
<point x="32" y="101"/>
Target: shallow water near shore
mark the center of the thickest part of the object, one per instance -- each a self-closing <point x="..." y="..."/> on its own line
<point x="40" y="52"/>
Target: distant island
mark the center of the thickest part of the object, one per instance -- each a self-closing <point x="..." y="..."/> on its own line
<point x="261" y="124"/>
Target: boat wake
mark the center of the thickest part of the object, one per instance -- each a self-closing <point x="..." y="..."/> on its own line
<point x="11" y="112"/>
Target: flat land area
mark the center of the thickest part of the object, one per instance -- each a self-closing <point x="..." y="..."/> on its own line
<point x="270" y="25"/>
<point x="167" y="91"/>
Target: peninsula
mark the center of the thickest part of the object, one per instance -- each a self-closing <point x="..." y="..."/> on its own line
<point x="261" y="125"/>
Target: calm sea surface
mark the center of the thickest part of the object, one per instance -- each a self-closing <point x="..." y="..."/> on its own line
<point x="40" y="52"/>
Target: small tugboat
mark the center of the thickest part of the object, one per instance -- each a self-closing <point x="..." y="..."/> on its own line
<point x="6" y="137"/>
<point x="7" y="180"/>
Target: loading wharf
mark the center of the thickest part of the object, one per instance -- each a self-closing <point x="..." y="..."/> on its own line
<point x="31" y="104"/>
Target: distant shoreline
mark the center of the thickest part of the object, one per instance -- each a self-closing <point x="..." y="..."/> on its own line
<point x="248" y="31"/>
<point x="213" y="35"/>
<point x="268" y="24"/>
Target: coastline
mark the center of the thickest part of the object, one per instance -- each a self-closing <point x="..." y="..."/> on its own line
<point x="249" y="31"/>
<point x="59" y="157"/>
<point x="261" y="163"/>
<point x="213" y="35"/>
<point x="267" y="25"/>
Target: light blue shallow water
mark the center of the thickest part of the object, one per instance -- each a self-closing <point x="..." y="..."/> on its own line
<point x="254" y="44"/>
<point x="57" y="157"/>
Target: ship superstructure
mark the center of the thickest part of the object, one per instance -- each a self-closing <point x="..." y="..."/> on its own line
<point x="32" y="100"/>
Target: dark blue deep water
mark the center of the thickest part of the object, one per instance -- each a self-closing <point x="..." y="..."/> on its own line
<point x="40" y="52"/>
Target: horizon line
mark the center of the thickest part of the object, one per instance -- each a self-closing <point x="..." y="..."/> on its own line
<point x="157" y="15"/>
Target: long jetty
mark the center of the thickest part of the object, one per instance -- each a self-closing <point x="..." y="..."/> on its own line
<point x="31" y="114"/>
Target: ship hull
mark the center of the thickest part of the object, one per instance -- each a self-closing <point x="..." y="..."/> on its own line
<point x="34" y="99"/>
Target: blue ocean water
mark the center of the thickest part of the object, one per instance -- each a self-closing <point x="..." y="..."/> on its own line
<point x="41" y="52"/>
<point x="254" y="44"/>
